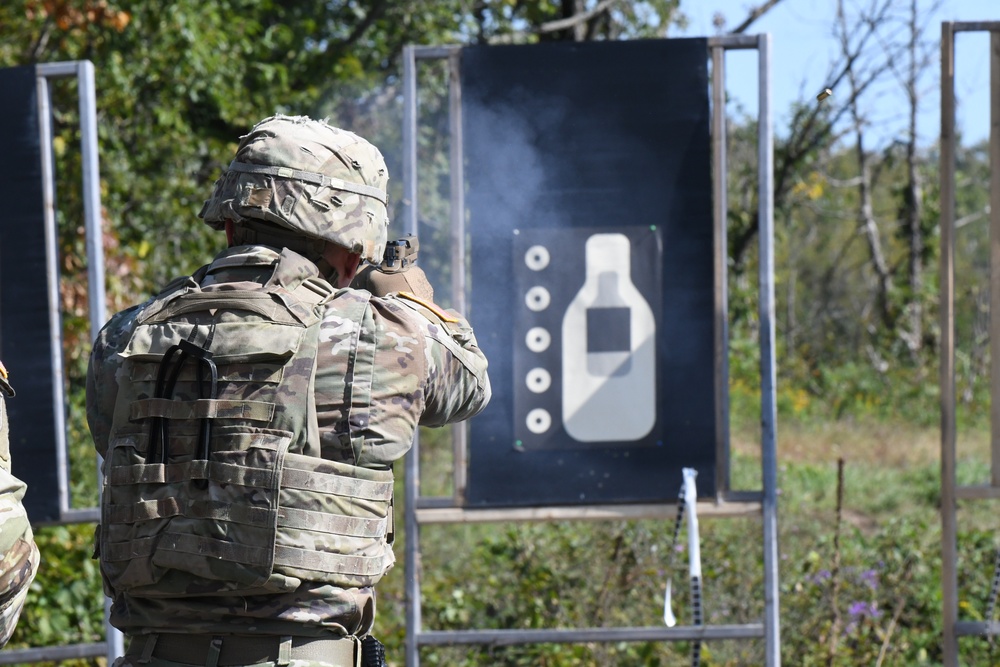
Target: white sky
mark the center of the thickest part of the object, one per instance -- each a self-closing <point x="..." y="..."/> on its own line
<point x="803" y="47"/>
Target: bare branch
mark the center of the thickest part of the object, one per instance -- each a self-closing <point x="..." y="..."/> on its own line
<point x="972" y="217"/>
<point x="812" y="126"/>
<point x="755" y="14"/>
<point x="576" y="19"/>
<point x="38" y="48"/>
<point x="896" y="613"/>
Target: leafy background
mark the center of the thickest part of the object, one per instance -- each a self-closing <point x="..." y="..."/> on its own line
<point x="857" y="248"/>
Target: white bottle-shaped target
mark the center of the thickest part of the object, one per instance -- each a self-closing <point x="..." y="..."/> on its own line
<point x="609" y="350"/>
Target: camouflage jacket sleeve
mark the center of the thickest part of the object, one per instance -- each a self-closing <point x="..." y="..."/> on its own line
<point x="19" y="561"/>
<point x="18" y="553"/>
<point x="456" y="385"/>
<point x="102" y="385"/>
<point x="406" y="362"/>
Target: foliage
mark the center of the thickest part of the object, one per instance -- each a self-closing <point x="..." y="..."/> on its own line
<point x="179" y="82"/>
<point x="611" y="574"/>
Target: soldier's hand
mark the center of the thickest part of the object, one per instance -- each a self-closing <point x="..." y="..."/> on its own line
<point x="380" y="283"/>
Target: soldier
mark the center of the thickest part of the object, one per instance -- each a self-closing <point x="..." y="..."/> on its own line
<point x="18" y="553"/>
<point x="249" y="416"/>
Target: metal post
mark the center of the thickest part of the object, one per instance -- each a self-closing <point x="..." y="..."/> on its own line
<point x="409" y="141"/>
<point x="949" y="536"/>
<point x="95" y="262"/>
<point x="460" y="432"/>
<point x="721" y="251"/>
<point x="92" y="196"/>
<point x="412" y="463"/>
<point x="994" y="267"/>
<point x="768" y="413"/>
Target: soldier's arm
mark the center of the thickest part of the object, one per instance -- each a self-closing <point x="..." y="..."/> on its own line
<point x="18" y="553"/>
<point x="408" y="367"/>
<point x="457" y="385"/>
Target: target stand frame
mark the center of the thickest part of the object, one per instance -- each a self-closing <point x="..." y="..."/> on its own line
<point x="951" y="492"/>
<point x="424" y="510"/>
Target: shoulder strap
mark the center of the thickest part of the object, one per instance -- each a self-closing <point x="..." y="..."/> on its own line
<point x="173" y="289"/>
<point x="429" y="309"/>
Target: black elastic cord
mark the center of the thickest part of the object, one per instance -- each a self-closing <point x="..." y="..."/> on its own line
<point x="166" y="381"/>
<point x="204" y="359"/>
<point x="157" y="450"/>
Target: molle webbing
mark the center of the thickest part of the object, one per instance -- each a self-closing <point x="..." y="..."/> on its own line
<point x="302" y="533"/>
<point x="203" y="408"/>
<point x="252" y="509"/>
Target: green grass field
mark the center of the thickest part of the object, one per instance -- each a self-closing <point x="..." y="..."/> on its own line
<point x="861" y="590"/>
<point x="864" y="590"/>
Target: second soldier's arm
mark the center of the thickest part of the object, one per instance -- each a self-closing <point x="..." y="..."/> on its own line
<point x="18" y="553"/>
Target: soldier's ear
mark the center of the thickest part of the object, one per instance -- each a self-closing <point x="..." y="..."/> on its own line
<point x="343" y="261"/>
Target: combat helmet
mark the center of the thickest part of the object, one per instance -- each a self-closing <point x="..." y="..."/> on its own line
<point x="307" y="177"/>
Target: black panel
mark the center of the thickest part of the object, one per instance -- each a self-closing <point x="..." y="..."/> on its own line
<point x="604" y="148"/>
<point x="25" y="341"/>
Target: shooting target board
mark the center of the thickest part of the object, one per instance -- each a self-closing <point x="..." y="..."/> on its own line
<point x="29" y="320"/>
<point x="588" y="191"/>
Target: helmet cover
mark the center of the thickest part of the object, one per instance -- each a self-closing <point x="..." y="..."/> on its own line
<point x="305" y="175"/>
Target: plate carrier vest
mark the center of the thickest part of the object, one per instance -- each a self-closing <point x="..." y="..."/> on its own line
<point x="207" y="490"/>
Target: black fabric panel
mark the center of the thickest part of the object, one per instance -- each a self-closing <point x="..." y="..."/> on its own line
<point x="564" y="141"/>
<point x="25" y="342"/>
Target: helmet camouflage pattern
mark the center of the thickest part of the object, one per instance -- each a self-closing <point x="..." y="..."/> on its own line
<point x="309" y="177"/>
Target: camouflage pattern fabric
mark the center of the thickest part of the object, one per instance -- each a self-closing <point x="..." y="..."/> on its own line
<point x="382" y="283"/>
<point x="18" y="553"/>
<point x="383" y="367"/>
<point x="305" y="175"/>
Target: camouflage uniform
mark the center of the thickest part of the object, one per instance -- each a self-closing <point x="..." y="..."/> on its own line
<point x="383" y="366"/>
<point x="19" y="560"/>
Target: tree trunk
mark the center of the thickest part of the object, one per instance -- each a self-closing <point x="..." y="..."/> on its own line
<point x="869" y="227"/>
<point x="913" y="198"/>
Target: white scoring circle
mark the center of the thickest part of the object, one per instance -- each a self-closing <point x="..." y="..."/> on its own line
<point x="538" y="380"/>
<point x="537" y="298"/>
<point x="538" y="339"/>
<point x="539" y="420"/>
<point x="537" y="257"/>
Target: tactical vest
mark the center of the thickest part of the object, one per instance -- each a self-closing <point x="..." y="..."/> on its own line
<point x="208" y="489"/>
